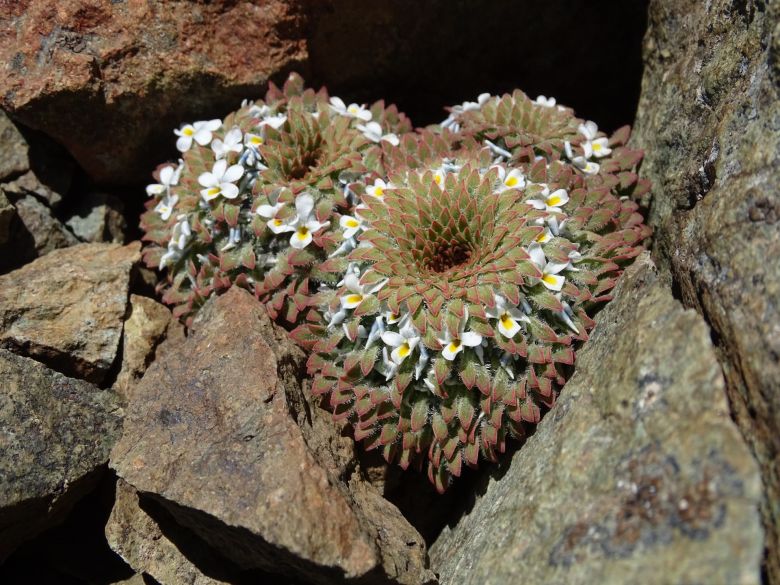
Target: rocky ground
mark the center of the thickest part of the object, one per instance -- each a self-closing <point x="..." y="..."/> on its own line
<point x="659" y="463"/>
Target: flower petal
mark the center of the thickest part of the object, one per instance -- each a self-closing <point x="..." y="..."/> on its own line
<point x="229" y="190"/>
<point x="233" y="174"/>
<point x="553" y="281"/>
<point x="471" y="339"/>
<point x="301" y="238"/>
<point x="304" y="204"/>
<point x="393" y="339"/>
<point x="352" y="300"/>
<point x="451" y="349"/>
<point x="508" y="326"/>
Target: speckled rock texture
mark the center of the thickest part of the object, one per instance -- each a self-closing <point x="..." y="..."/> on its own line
<point x="135" y="536"/>
<point x="45" y="231"/>
<point x="144" y="330"/>
<point x="709" y="121"/>
<point x="213" y="435"/>
<point x="66" y="309"/>
<point x="110" y="79"/>
<point x="55" y="437"/>
<point x="13" y="149"/>
<point x="637" y="475"/>
<point x="98" y="217"/>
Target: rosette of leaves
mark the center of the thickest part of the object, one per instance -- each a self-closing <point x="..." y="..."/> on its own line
<point x="455" y="320"/>
<point x="521" y="130"/>
<point x="293" y="161"/>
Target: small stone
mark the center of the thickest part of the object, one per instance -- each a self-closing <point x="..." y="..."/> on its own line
<point x="144" y="330"/>
<point x="67" y="308"/>
<point x="99" y="217"/>
<point x="47" y="231"/>
<point x="55" y="435"/>
<point x="637" y="467"/>
<point x="13" y="149"/>
<point x="7" y="213"/>
<point x="135" y="536"/>
<point x="29" y="184"/>
<point x="250" y="465"/>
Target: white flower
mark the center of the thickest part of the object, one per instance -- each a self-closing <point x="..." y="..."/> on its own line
<point x="508" y="316"/>
<point x="351" y="225"/>
<point x="165" y="207"/>
<point x="470" y="106"/>
<point x="274" y="121"/>
<point x="586" y="166"/>
<point x="169" y="176"/>
<point x="275" y="224"/>
<point x="588" y="130"/>
<point x="233" y="143"/>
<point x="373" y="132"/>
<point x="352" y="110"/>
<point x="356" y="292"/>
<point x="545" y="101"/>
<point x="599" y="147"/>
<point x="378" y="188"/>
<point x="403" y="342"/>
<point x="220" y="181"/>
<point x="201" y="132"/>
<point x="305" y="223"/>
<point x="439" y="176"/>
<point x="259" y="111"/>
<point x="453" y="345"/>
<point x="552" y="201"/>
<point x="514" y="179"/>
<point x="550" y="277"/>
<point x="544" y="236"/>
<point x="393" y="318"/>
<point x="253" y="140"/>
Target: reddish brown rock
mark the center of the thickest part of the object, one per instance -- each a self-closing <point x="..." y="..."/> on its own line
<point x="110" y="80"/>
<point x="67" y="308"/>
<point x="239" y="471"/>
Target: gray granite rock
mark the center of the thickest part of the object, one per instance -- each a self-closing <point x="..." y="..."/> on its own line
<point x="221" y="434"/>
<point x="637" y="475"/>
<point x="98" y="217"/>
<point x="47" y="232"/>
<point x="67" y="308"/>
<point x="709" y="121"/>
<point x="7" y="213"/>
<point x="55" y="437"/>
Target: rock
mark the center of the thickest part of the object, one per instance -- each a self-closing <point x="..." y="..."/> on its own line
<point x="144" y="329"/>
<point x="637" y="475"/>
<point x="55" y="437"/>
<point x="67" y="308"/>
<point x="110" y="80"/>
<point x="138" y="539"/>
<point x="30" y="184"/>
<point x="98" y="217"/>
<point x="13" y="149"/>
<point x="7" y="214"/>
<point x="240" y="472"/>
<point x="47" y="231"/>
<point x="708" y="121"/>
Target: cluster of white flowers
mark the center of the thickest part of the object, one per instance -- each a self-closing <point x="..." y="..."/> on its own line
<point x="398" y="334"/>
<point x="233" y="182"/>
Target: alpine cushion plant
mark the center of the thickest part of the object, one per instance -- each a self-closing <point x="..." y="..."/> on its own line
<point x="445" y="276"/>
<point x="255" y="199"/>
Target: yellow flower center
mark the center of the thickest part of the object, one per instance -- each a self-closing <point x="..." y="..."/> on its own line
<point x="379" y="192"/>
<point x="550" y="279"/>
<point x="511" y="182"/>
<point x="256" y="140"/>
<point x="354" y="299"/>
<point x="188" y="131"/>
<point x="404" y="350"/>
<point x="351" y="223"/>
<point x="553" y="201"/>
<point x="303" y="231"/>
<point x="506" y="320"/>
<point x="277" y="222"/>
<point x="541" y="237"/>
<point x="437" y="179"/>
<point x="596" y="147"/>
<point x="213" y="191"/>
<point x="454" y="346"/>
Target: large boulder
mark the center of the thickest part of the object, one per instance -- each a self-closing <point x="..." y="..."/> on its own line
<point x="637" y="475"/>
<point x="55" y="437"/>
<point x="220" y="433"/>
<point x="67" y="308"/>
<point x="709" y="121"/>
